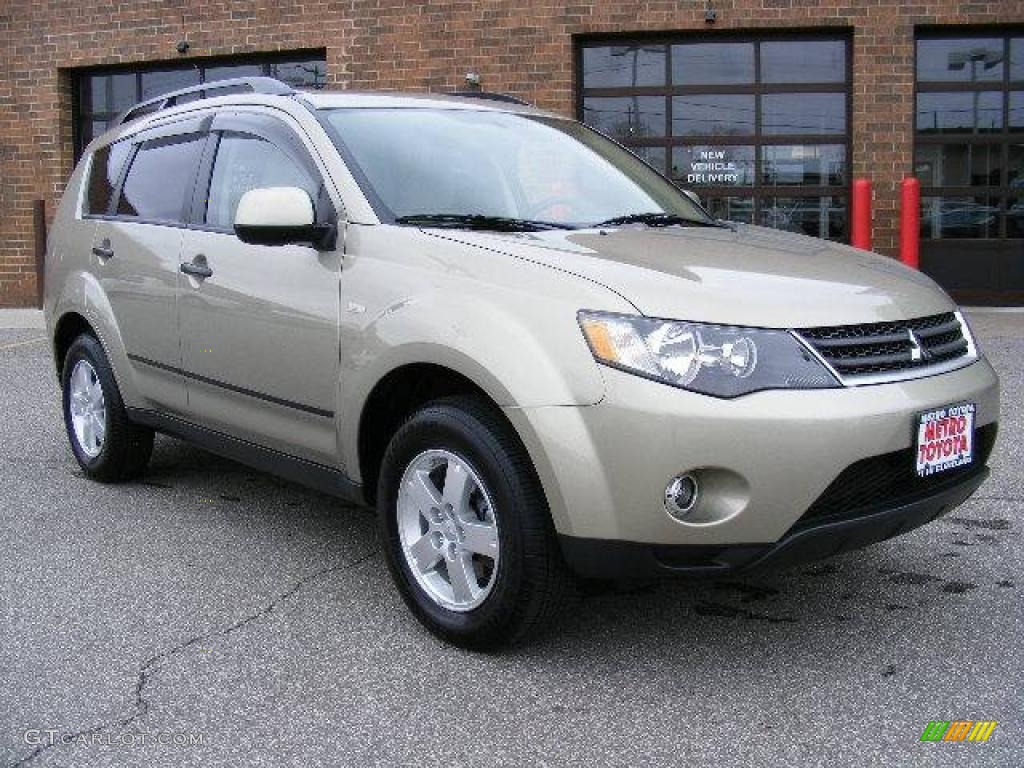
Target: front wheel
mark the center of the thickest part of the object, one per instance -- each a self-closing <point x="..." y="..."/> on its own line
<point x="466" y="530"/>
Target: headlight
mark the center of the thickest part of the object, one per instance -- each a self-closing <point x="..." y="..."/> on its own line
<point x="718" y="360"/>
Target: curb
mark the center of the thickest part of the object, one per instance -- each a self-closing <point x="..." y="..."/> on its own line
<point x="22" y="319"/>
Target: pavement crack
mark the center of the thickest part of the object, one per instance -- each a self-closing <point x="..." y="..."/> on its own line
<point x="154" y="663"/>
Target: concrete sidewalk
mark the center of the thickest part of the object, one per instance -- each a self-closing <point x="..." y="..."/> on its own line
<point x="17" y="319"/>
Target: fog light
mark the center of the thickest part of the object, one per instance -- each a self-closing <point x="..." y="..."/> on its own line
<point x="681" y="495"/>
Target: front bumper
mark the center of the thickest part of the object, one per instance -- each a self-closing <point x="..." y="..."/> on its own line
<point x="770" y="455"/>
<point x="625" y="560"/>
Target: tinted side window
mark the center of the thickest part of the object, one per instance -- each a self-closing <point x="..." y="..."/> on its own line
<point x="160" y="178"/>
<point x="106" y="167"/>
<point x="244" y="163"/>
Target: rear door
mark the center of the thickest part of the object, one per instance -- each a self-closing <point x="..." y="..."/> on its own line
<point x="135" y="253"/>
<point x="260" y="332"/>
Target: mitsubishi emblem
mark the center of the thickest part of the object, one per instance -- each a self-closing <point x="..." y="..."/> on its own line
<point x="917" y="352"/>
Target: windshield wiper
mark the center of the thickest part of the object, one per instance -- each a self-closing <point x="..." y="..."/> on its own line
<point x="478" y="221"/>
<point x="658" y="220"/>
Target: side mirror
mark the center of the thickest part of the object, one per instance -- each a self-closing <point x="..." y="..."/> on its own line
<point x="693" y="196"/>
<point x="277" y="216"/>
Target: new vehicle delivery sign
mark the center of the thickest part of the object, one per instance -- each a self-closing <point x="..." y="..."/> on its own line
<point x="945" y="439"/>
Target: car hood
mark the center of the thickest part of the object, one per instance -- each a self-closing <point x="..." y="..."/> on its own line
<point x="741" y="275"/>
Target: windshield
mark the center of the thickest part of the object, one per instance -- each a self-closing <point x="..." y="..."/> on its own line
<point x="461" y="162"/>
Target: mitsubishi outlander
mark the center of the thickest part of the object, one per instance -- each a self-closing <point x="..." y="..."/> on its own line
<point x="535" y="356"/>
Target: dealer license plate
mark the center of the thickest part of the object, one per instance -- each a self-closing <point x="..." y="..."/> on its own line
<point x="945" y="439"/>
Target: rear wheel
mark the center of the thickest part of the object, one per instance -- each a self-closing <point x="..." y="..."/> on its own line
<point x="107" y="445"/>
<point x="466" y="531"/>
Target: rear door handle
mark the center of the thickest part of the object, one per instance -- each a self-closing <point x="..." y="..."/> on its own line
<point x="103" y="251"/>
<point x="197" y="270"/>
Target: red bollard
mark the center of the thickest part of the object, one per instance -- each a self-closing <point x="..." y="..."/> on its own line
<point x="910" y="223"/>
<point x="860" y="230"/>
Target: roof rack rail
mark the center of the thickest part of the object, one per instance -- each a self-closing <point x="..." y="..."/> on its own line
<point x="266" y="85"/>
<point x="490" y="96"/>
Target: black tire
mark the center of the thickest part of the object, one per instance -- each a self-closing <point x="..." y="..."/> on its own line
<point x="126" y="447"/>
<point x="532" y="583"/>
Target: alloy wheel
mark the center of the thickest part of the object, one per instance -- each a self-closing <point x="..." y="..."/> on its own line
<point x="448" y="530"/>
<point x="88" y="408"/>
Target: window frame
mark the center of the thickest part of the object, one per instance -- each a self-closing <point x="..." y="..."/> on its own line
<point x="262" y="127"/>
<point x="115" y="190"/>
<point x="199" y="136"/>
<point x="1004" y="138"/>
<point x="208" y="126"/>
<point x="174" y="130"/>
<point x="758" y="139"/>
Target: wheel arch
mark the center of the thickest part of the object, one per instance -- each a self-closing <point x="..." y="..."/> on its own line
<point x="393" y="399"/>
<point x="83" y="306"/>
<point x="69" y="327"/>
<point x="406" y="388"/>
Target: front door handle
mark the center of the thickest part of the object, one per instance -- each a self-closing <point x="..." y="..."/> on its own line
<point x="197" y="268"/>
<point x="104" y="251"/>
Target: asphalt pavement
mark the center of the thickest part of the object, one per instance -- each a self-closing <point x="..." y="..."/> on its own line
<point x="212" y="615"/>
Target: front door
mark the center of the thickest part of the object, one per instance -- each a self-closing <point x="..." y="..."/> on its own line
<point x="259" y="324"/>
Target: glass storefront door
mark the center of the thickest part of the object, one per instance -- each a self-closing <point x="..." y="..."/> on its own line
<point x="969" y="158"/>
<point x="758" y="126"/>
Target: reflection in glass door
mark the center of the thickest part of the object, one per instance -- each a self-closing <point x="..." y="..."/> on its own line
<point x="757" y="126"/>
<point x="969" y="158"/>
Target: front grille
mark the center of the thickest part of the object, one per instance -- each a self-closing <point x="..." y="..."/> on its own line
<point x="890" y="480"/>
<point x="880" y="348"/>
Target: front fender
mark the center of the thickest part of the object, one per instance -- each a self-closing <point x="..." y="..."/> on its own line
<point x="502" y="352"/>
<point x="505" y="323"/>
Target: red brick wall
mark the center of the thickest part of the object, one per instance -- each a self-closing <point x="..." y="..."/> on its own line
<point x="523" y="47"/>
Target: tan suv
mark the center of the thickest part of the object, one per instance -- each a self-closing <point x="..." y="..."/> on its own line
<point x="538" y="358"/>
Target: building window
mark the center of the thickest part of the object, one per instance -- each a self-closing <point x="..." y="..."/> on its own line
<point x="969" y="127"/>
<point x="757" y="125"/>
<point x="103" y="94"/>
